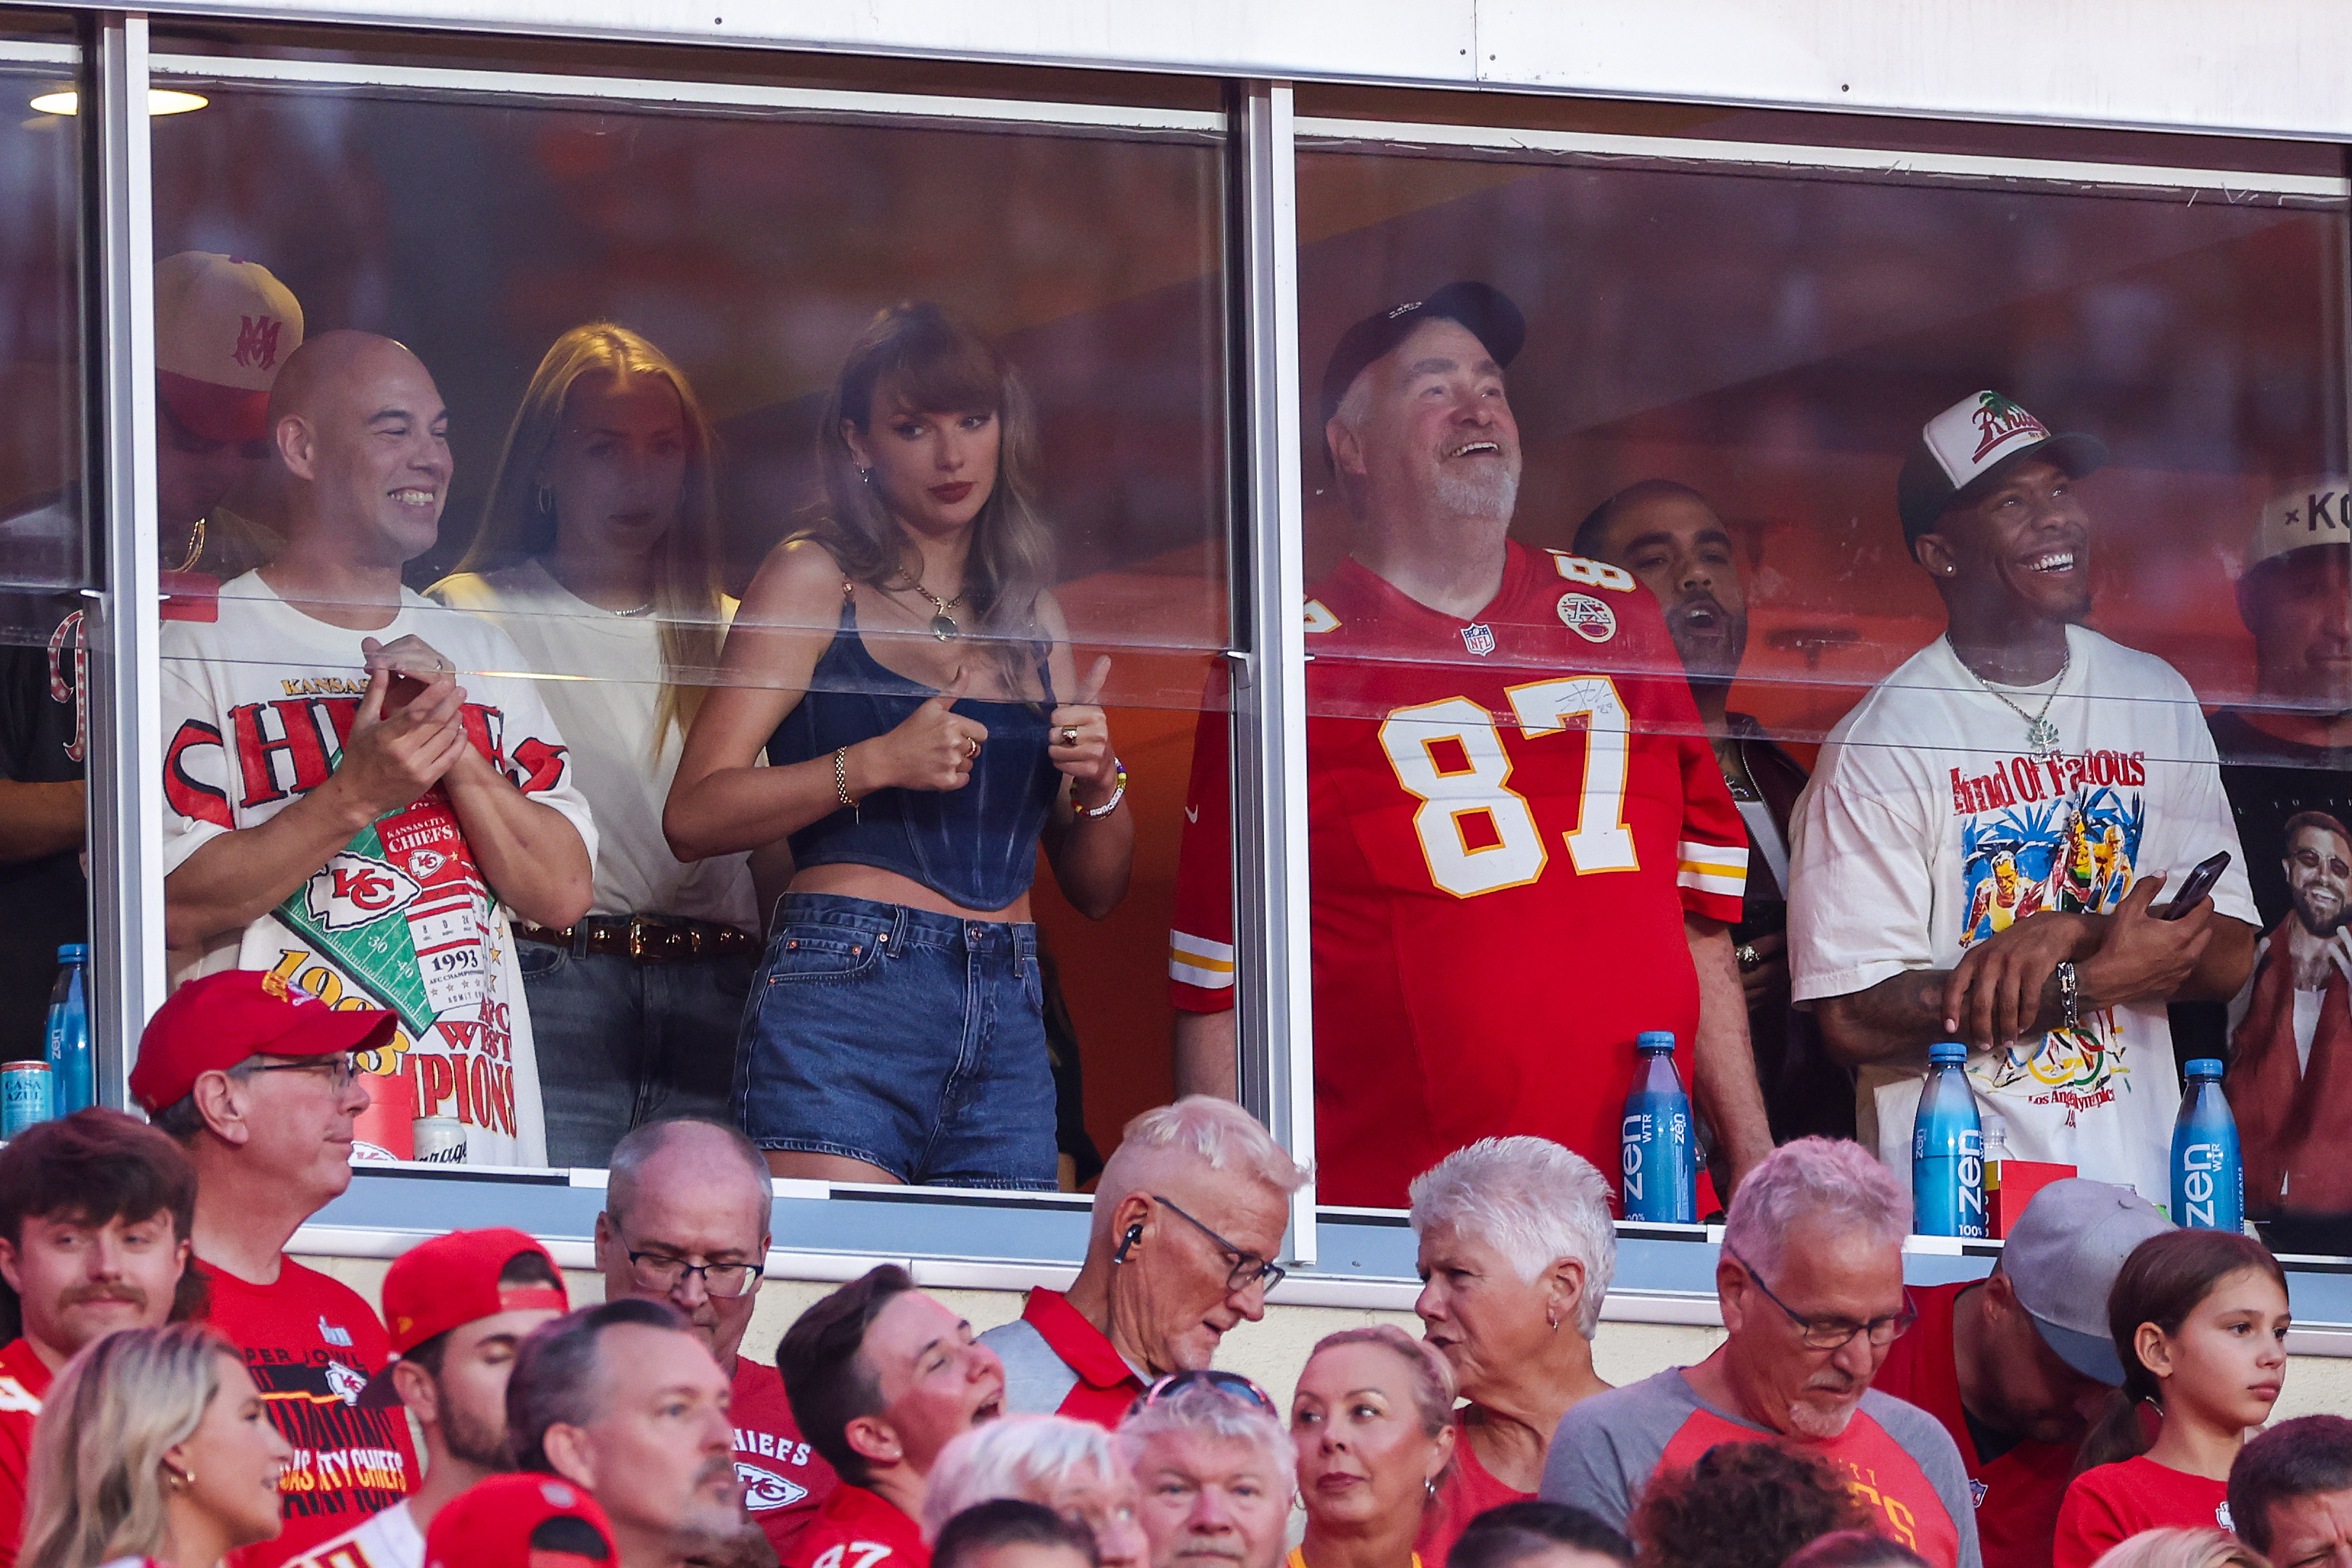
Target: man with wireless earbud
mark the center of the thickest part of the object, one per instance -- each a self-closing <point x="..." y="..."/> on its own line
<point x="1188" y="1217"/>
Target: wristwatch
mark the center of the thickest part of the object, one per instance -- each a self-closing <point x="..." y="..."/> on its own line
<point x="2069" y="996"/>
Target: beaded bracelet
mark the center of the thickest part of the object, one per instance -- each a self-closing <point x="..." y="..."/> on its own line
<point x="1117" y="795"/>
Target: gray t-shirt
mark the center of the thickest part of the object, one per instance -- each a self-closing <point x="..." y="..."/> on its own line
<point x="1898" y="1459"/>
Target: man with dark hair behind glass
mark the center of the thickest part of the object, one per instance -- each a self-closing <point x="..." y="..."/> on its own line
<point x="1503" y="766"/>
<point x="96" y="1210"/>
<point x="221" y="328"/>
<point x="2284" y="757"/>
<point x="2291" y="1492"/>
<point x="1977" y="856"/>
<point x="1668" y="536"/>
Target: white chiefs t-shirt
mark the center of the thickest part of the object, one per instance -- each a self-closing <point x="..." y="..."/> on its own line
<point x="386" y="1540"/>
<point x="1929" y="826"/>
<point x="255" y="705"/>
<point x="609" y="719"/>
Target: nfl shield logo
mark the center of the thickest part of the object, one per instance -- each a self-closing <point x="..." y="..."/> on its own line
<point x="1479" y="640"/>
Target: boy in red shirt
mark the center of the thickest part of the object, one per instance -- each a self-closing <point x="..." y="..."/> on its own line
<point x="255" y="1079"/>
<point x="95" y="1211"/>
<point x="882" y="1377"/>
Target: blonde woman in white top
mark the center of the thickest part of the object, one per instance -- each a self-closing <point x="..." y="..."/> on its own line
<point x="599" y="553"/>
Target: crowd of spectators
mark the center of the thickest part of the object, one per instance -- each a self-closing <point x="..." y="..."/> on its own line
<point x="180" y="1391"/>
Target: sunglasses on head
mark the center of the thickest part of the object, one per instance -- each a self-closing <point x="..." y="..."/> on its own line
<point x="1233" y="1383"/>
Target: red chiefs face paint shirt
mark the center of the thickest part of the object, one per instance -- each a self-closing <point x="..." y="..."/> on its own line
<point x="257" y="705"/>
<point x="1508" y="818"/>
<point x="25" y="1381"/>
<point x="311" y="1344"/>
<point x="785" y="1480"/>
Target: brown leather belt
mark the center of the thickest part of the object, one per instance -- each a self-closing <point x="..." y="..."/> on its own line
<point x="648" y="939"/>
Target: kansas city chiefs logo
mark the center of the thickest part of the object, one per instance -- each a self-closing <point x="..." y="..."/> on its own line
<point x="764" y="1489"/>
<point x="352" y="890"/>
<point x="345" y="1384"/>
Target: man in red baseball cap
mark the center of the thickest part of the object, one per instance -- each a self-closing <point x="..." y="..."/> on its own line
<point x="456" y="1306"/>
<point x="526" y="1520"/>
<point x="259" y="1082"/>
<point x="223" y="326"/>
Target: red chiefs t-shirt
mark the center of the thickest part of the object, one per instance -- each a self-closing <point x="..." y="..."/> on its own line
<point x="785" y="1482"/>
<point x="2018" y="1494"/>
<point x="860" y="1528"/>
<point x="311" y="1344"/>
<point x="1468" y="1490"/>
<point x="25" y="1381"/>
<point x="1508" y="819"/>
<point x="2111" y="1503"/>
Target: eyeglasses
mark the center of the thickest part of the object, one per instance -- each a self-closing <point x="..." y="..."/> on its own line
<point x="341" y="1068"/>
<point x="1176" y="1383"/>
<point x="1248" y="1267"/>
<point x="659" y="1271"/>
<point x="1834" y="1333"/>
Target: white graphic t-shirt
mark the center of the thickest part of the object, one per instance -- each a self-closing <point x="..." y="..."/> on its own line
<point x="386" y="1540"/>
<point x="256" y="705"/>
<point x="1930" y="825"/>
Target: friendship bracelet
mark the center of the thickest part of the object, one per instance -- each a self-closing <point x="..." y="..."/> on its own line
<point x="1117" y="795"/>
<point x="841" y="782"/>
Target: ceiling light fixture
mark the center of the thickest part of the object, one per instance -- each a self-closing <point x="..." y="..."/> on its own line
<point x="159" y="100"/>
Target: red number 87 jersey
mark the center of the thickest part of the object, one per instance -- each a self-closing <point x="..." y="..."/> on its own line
<point x="1507" y="820"/>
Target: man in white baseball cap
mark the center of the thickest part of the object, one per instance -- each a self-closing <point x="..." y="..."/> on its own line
<point x="221" y="328"/>
<point x="2281" y="754"/>
<point x="1978" y="853"/>
<point x="2017" y="1366"/>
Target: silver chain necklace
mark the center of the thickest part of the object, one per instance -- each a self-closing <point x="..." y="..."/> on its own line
<point x="2040" y="734"/>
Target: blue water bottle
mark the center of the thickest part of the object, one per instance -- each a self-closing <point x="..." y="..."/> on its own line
<point x="1948" y="1149"/>
<point x="1659" y="1152"/>
<point x="68" y="1043"/>
<point x="2208" y="1179"/>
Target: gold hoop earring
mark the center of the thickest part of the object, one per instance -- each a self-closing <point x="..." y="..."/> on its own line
<point x="542" y="499"/>
<point x="1552" y="1316"/>
<point x="184" y="1480"/>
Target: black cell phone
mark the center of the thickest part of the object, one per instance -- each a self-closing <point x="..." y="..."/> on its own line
<point x="2200" y="883"/>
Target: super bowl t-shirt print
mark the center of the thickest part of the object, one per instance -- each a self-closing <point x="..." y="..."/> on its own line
<point x="257" y="705"/>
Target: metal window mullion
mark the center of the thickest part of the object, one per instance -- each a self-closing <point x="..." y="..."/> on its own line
<point x="124" y="768"/>
<point x="1275" y="1034"/>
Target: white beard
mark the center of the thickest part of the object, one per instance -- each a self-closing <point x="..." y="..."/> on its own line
<point x="1812" y="1421"/>
<point x="1487" y="490"/>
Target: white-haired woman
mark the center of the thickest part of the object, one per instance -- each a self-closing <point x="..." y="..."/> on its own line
<point x="1517" y="1252"/>
<point x="153" y="1448"/>
<point x="1073" y="1467"/>
<point x="1373" y="1419"/>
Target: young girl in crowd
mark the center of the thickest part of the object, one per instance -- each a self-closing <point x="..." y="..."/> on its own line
<point x="1373" y="1419"/>
<point x="599" y="553"/>
<point x="2200" y="1318"/>
<point x="152" y="1449"/>
<point x="908" y="672"/>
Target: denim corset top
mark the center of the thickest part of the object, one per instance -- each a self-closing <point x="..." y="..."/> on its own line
<point x="977" y="846"/>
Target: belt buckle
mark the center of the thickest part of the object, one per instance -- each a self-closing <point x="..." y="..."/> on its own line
<point x="637" y="938"/>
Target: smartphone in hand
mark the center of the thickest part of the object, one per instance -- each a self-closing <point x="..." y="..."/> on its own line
<point x="2200" y="882"/>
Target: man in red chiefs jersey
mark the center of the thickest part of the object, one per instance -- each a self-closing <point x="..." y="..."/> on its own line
<point x="685" y="1222"/>
<point x="882" y="1377"/>
<point x="2017" y="1366"/>
<point x="95" y="1211"/>
<point x="259" y="1082"/>
<point x="1522" y="853"/>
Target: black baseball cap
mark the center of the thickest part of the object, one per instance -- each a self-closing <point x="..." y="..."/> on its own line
<point x="1485" y="310"/>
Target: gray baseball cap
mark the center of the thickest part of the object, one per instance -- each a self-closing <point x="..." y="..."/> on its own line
<point x="2062" y="1258"/>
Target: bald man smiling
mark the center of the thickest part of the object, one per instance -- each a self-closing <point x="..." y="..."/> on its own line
<point x="351" y="802"/>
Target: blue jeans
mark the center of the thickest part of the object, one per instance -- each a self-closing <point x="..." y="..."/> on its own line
<point x="910" y="1040"/>
<point x="621" y="1043"/>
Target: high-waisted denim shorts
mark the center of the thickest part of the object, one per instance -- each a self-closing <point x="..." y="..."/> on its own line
<point x="910" y="1040"/>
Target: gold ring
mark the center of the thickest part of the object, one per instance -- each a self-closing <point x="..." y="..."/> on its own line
<point x="1069" y="735"/>
<point x="970" y="748"/>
